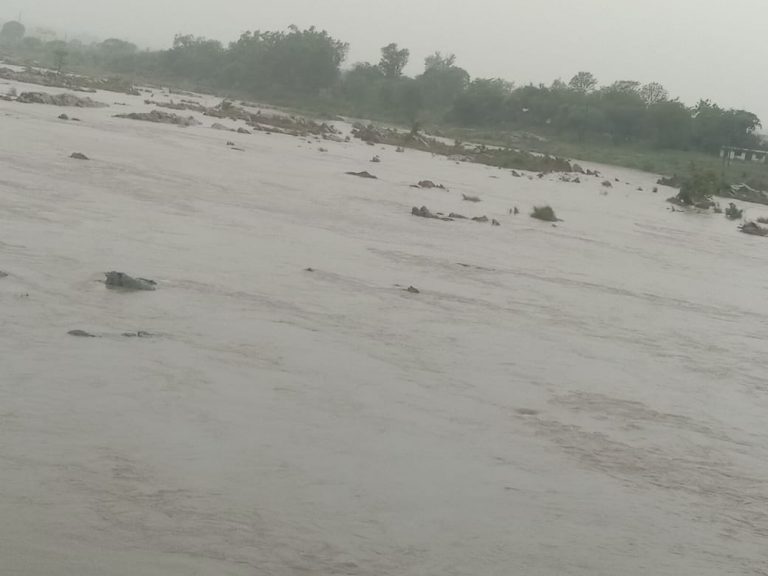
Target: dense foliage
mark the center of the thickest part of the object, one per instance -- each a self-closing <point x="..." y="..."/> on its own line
<point x="306" y="66"/>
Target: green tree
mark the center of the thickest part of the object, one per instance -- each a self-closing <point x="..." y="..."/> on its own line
<point x="653" y="93"/>
<point x="442" y="82"/>
<point x="584" y="82"/>
<point x="671" y="125"/>
<point x="12" y="33"/>
<point x="483" y="103"/>
<point x="298" y="61"/>
<point x="393" y="60"/>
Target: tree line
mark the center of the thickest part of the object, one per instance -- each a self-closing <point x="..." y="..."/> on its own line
<point x="307" y="66"/>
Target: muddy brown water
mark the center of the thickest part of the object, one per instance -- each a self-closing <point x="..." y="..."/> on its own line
<point x="583" y="399"/>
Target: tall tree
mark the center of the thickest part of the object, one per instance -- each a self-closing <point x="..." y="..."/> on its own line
<point x="653" y="93"/>
<point x="393" y="60"/>
<point x="584" y="82"/>
<point x="12" y="33"/>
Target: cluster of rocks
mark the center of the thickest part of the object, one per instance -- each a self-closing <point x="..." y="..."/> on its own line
<point x="424" y="212"/>
<point x="68" y="81"/>
<point x="277" y="123"/>
<point x="183" y="105"/>
<point x="69" y="100"/>
<point x="162" y="118"/>
<point x="85" y="334"/>
<point x="428" y="185"/>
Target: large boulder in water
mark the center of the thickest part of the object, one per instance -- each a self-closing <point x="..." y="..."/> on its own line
<point x="122" y="280"/>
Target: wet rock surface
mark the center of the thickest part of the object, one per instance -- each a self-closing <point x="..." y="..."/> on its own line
<point x="81" y="334"/>
<point x="126" y="282"/>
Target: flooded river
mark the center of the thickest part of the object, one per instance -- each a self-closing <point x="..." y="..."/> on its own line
<point x="590" y="398"/>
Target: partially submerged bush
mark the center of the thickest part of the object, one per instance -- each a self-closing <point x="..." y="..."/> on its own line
<point x="544" y="213"/>
<point x="699" y="187"/>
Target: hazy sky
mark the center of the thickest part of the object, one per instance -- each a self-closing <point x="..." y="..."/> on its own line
<point x="697" y="48"/>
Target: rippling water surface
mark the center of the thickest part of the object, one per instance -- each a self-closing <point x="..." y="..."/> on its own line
<point x="583" y="399"/>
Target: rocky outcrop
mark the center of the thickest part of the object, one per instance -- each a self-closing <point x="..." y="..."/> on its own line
<point x="58" y="100"/>
<point x="68" y="81"/>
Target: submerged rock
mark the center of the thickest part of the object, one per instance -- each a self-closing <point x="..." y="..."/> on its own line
<point x="363" y="174"/>
<point x="79" y="156"/>
<point x="139" y="334"/>
<point x="428" y="184"/>
<point x="81" y="334"/>
<point x="413" y="290"/>
<point x="122" y="280"/>
<point x="470" y="198"/>
<point x="481" y="219"/>
<point x="424" y="212"/>
<point x="754" y="229"/>
<point x="544" y="213"/>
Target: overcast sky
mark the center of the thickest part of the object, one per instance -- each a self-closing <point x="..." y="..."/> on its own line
<point x="696" y="48"/>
